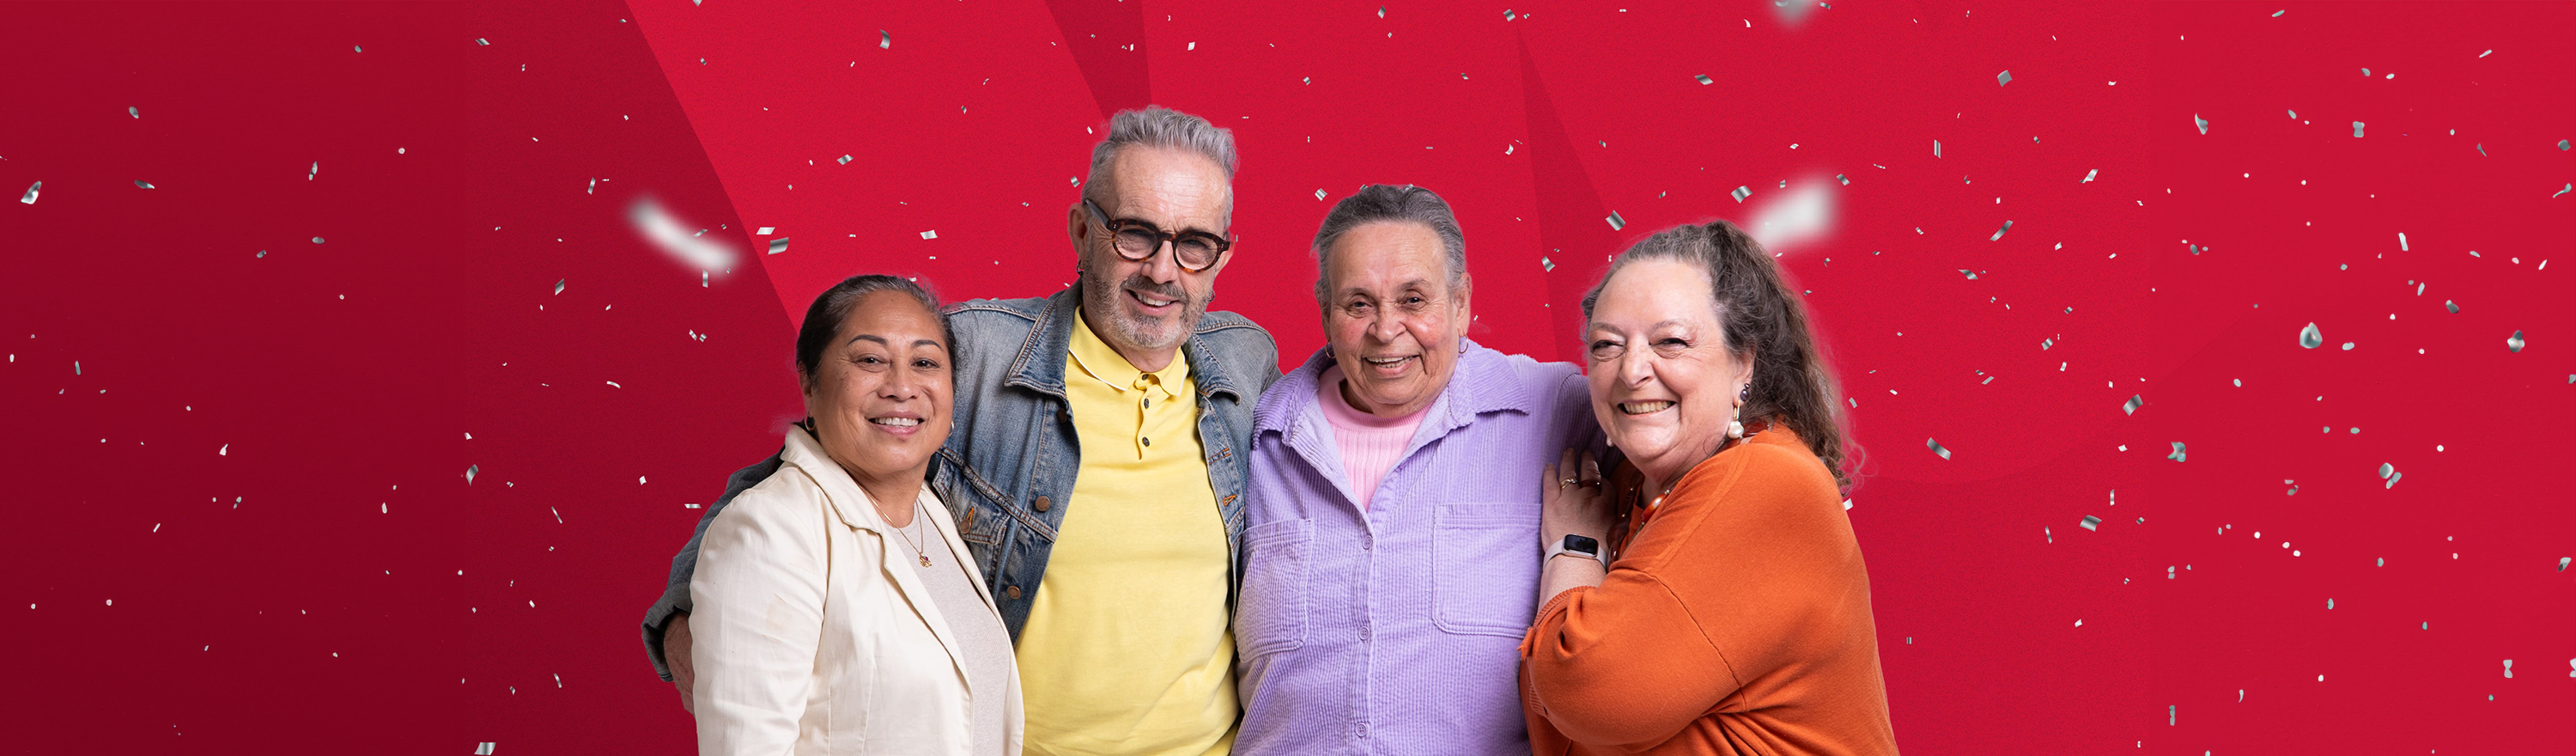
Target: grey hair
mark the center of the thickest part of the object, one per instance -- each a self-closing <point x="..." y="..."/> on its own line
<point x="1398" y="204"/>
<point x="1158" y="126"/>
<point x="823" y="318"/>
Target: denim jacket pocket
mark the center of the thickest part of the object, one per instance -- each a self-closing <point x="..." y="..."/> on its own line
<point x="1272" y="615"/>
<point x="1482" y="558"/>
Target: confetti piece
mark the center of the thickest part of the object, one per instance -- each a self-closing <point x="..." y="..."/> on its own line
<point x="2386" y="469"/>
<point x="930" y="234"/>
<point x="2294" y="115"/>
<point x="2203" y="123"/>
<point x="2356" y="129"/>
<point x="317" y="240"/>
<point x="483" y="749"/>
<point x="1739" y="194"/>
<point x="316" y="170"/>
<point x="2562" y="145"/>
<point x="2401" y="241"/>
<point x="1972" y="275"/>
<point x="470" y="470"/>
<point x="2508" y="668"/>
<point x="1999" y="233"/>
<point x="845" y="160"/>
<point x="2562" y="567"/>
<point x="2347" y="346"/>
<point x="142" y="183"/>
<point x="2515" y="342"/>
<point x="2562" y="191"/>
<point x="884" y="41"/>
<point x="224" y="451"/>
<point x="778" y="245"/>
<point x="2134" y="403"/>
<point x="1935" y="446"/>
<point x="32" y="189"/>
<point x="593" y="189"/>
<point x="481" y="42"/>
<point x="1319" y="193"/>
<point x="1381" y="11"/>
<point x="132" y="111"/>
<point x="666" y="233"/>
<point x="2454" y="307"/>
<point x="2088" y="176"/>
<point x="1703" y="79"/>
<point x="1546" y="264"/>
<point x="1842" y="178"/>
<point x="1616" y="222"/>
<point x="613" y="384"/>
<point x="2091" y="523"/>
<point x="2003" y="78"/>
<point x="2277" y="13"/>
<point x="1936" y="148"/>
<point x="559" y="286"/>
<point x="1507" y="14"/>
<point x="2310" y="337"/>
<point x="2177" y="454"/>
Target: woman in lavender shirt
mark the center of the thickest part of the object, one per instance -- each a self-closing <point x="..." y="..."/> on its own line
<point x="1392" y="553"/>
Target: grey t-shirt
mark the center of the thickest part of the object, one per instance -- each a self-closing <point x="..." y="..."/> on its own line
<point x="983" y="645"/>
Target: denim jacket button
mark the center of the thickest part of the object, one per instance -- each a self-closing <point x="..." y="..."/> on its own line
<point x="1043" y="504"/>
<point x="1012" y="591"/>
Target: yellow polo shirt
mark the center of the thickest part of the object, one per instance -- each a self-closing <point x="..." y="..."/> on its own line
<point x="1127" y="649"/>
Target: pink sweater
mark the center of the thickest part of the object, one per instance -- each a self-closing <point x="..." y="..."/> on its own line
<point x="1369" y="444"/>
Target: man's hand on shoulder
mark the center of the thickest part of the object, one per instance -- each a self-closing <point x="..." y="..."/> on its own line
<point x="675" y="651"/>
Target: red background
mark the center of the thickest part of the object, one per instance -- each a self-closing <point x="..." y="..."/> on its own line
<point x="346" y="586"/>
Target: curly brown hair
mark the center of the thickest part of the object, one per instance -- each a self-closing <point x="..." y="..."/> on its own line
<point x="1791" y="384"/>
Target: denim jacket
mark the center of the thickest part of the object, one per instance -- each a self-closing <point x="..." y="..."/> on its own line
<point x="1009" y="463"/>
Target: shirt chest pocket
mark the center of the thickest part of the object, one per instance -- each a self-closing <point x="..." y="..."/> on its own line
<point x="1271" y="616"/>
<point x="1484" y="560"/>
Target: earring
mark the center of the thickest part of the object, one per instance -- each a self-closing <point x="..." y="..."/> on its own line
<point x="1735" y="422"/>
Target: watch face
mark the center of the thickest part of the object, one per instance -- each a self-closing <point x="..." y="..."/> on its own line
<point x="1583" y="544"/>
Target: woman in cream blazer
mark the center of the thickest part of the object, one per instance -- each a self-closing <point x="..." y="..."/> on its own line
<point x="822" y="626"/>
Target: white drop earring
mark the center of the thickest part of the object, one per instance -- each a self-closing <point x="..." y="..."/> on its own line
<point x="1735" y="422"/>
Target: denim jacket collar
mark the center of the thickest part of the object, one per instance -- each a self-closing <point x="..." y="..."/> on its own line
<point x="1039" y="363"/>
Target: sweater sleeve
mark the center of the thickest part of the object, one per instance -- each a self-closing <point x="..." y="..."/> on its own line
<point x="1719" y="590"/>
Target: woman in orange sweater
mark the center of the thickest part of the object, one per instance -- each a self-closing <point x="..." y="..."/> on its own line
<point x="1735" y="616"/>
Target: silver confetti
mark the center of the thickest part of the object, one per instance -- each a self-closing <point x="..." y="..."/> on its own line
<point x="594" y="187"/>
<point x="1507" y="14"/>
<point x="2562" y="567"/>
<point x="316" y="170"/>
<point x="1703" y="79"/>
<point x="2386" y="469"/>
<point x="1616" y="222"/>
<point x="2177" y="454"/>
<point x="1381" y="11"/>
<point x="1935" y="446"/>
<point x="30" y="197"/>
<point x="142" y="183"/>
<point x="483" y="749"/>
<point x="778" y="245"/>
<point x="317" y="240"/>
<point x="884" y="41"/>
<point x="2134" y="403"/>
<point x="1999" y="233"/>
<point x="470" y="470"/>
<point x="2277" y="13"/>
<point x="1319" y="195"/>
<point x="845" y="160"/>
<point x="1972" y="275"/>
<point x="481" y="42"/>
<point x="931" y="234"/>
<point x="1739" y="194"/>
<point x="2088" y="176"/>
<point x="2003" y="78"/>
<point x="2515" y="342"/>
<point x="133" y="111"/>
<point x="2562" y="145"/>
<point x="559" y="284"/>
<point x="2203" y="123"/>
<point x="2091" y="523"/>
<point x="2310" y="337"/>
<point x="1936" y="148"/>
<point x="2454" y="307"/>
<point x="2356" y="129"/>
<point x="2562" y="191"/>
<point x="2401" y="241"/>
<point x="1842" y="178"/>
<point x="1546" y="264"/>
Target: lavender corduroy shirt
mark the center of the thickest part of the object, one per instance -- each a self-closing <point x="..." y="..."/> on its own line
<point x="1396" y="629"/>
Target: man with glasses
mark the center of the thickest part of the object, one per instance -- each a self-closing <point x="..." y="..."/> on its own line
<point x="1098" y="462"/>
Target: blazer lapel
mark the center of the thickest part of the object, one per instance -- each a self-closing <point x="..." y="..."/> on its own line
<point x="859" y="512"/>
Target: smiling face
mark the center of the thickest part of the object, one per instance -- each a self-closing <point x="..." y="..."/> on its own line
<point x="881" y="394"/>
<point x="1393" y="321"/>
<point x="1664" y="380"/>
<point x="1146" y="308"/>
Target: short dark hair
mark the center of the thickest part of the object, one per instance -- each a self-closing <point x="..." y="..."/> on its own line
<point x="1791" y="382"/>
<point x="823" y="318"/>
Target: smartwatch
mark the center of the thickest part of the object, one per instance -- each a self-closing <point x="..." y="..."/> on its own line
<point x="1578" y="545"/>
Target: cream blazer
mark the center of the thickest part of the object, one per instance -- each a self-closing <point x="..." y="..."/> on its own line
<point x="814" y="631"/>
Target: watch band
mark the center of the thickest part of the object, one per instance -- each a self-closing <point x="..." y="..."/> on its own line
<point x="1582" y="546"/>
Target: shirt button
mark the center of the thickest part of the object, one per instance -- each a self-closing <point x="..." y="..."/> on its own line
<point x="1043" y="504"/>
<point x="1012" y="591"/>
<point x="1364" y="632"/>
<point x="1363" y="730"/>
<point x="1149" y="441"/>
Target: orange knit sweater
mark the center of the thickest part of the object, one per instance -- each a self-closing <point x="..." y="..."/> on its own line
<point x="1735" y="621"/>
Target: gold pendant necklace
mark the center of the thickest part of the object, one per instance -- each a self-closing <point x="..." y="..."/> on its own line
<point x="908" y="540"/>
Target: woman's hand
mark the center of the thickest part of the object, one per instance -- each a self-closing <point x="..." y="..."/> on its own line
<point x="1571" y="500"/>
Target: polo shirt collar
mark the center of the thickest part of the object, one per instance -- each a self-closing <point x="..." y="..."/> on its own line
<point x="1102" y="362"/>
